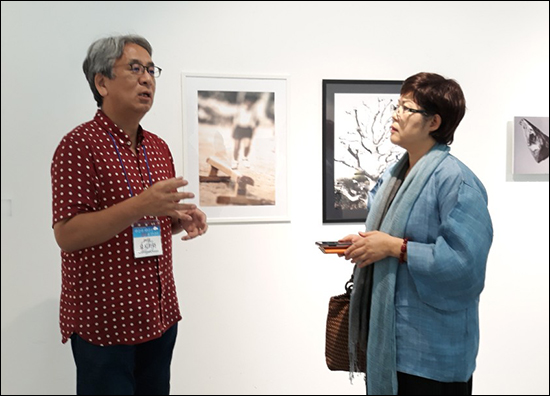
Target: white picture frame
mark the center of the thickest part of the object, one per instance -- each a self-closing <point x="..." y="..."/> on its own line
<point x="253" y="187"/>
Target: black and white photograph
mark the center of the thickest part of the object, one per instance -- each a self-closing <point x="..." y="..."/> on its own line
<point x="236" y="153"/>
<point x="236" y="146"/>
<point x="356" y="144"/>
<point x="531" y="146"/>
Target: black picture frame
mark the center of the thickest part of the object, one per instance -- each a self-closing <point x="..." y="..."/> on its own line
<point x="356" y="113"/>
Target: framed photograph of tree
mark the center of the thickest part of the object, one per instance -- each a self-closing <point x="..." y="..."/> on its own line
<point x="357" y="115"/>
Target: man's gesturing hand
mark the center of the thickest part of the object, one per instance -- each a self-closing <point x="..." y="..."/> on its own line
<point x="163" y="198"/>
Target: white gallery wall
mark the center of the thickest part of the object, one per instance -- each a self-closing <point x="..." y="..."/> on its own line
<point x="254" y="296"/>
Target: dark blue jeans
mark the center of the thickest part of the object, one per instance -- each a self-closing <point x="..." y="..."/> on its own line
<point x="142" y="369"/>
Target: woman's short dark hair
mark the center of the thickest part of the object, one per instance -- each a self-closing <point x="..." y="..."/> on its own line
<point x="102" y="56"/>
<point x="438" y="95"/>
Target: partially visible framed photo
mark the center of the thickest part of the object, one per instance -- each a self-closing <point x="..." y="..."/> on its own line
<point x="357" y="116"/>
<point x="235" y="146"/>
<point x="531" y="146"/>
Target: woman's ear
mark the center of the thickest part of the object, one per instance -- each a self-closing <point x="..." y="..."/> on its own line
<point x="435" y="122"/>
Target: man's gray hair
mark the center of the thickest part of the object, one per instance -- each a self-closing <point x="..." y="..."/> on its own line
<point x="102" y="56"/>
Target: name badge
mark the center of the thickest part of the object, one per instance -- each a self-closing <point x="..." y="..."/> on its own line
<point x="147" y="239"/>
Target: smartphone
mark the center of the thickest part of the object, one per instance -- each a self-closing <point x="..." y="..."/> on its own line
<point x="333" y="243"/>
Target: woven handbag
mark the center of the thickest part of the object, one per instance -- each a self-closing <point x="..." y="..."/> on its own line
<point x="336" y="346"/>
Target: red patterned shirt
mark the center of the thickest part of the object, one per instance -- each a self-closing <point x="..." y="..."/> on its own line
<point x="108" y="297"/>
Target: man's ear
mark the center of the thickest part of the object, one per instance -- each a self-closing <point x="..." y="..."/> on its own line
<point x="99" y="80"/>
<point x="435" y="123"/>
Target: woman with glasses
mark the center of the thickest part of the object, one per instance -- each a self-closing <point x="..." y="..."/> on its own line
<point x="420" y="264"/>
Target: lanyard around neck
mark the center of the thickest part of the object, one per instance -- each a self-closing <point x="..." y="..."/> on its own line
<point x="124" y="168"/>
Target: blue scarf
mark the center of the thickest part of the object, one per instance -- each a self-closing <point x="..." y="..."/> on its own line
<point x="381" y="375"/>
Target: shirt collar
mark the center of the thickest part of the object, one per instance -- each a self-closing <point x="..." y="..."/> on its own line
<point x="117" y="132"/>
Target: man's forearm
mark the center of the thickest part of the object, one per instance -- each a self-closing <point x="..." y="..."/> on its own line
<point x="90" y="229"/>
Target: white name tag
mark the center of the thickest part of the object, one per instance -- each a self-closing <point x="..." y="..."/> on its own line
<point x="147" y="239"/>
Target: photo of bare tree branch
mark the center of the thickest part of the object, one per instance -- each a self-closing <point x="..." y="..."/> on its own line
<point x="362" y="146"/>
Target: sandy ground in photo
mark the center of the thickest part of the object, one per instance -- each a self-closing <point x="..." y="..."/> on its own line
<point x="216" y="140"/>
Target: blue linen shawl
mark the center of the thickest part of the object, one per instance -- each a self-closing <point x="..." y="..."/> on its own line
<point x="381" y="375"/>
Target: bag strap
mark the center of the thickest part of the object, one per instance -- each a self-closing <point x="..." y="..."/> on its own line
<point x="349" y="284"/>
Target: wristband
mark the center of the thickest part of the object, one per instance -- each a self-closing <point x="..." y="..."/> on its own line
<point x="403" y="250"/>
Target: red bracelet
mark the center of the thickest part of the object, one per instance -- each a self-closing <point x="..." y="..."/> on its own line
<point x="403" y="250"/>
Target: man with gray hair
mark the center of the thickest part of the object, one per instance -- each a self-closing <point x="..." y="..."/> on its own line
<point x="116" y="205"/>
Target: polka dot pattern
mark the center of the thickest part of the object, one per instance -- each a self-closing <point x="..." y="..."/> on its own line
<point x="109" y="297"/>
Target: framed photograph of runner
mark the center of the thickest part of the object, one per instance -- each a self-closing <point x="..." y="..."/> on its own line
<point x="235" y="146"/>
